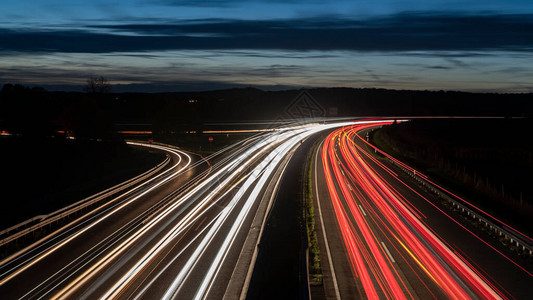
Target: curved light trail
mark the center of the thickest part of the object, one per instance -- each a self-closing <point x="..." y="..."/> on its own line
<point x="373" y="217"/>
<point x="185" y="241"/>
<point x="12" y="267"/>
<point x="180" y="246"/>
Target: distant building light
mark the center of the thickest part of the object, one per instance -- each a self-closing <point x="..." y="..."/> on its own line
<point x="69" y="135"/>
<point x="193" y="101"/>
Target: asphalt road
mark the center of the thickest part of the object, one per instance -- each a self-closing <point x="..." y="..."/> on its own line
<point x="189" y="233"/>
<point x="387" y="238"/>
<point x="47" y="267"/>
<point x="280" y="270"/>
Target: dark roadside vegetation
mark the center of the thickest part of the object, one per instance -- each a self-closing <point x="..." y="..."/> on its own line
<point x="173" y="114"/>
<point x="52" y="155"/>
<point x="487" y="161"/>
<point x="42" y="176"/>
<point x="185" y="118"/>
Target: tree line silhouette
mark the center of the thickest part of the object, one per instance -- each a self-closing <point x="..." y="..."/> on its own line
<point x="35" y="111"/>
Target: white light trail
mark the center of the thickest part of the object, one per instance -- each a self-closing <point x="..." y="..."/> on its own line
<point x="246" y="171"/>
<point x="38" y="257"/>
<point x="288" y="140"/>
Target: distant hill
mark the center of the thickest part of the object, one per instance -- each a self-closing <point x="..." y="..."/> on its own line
<point x="190" y="110"/>
<point x="254" y="104"/>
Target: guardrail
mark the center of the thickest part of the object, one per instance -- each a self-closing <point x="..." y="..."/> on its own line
<point x="501" y="229"/>
<point x="44" y="220"/>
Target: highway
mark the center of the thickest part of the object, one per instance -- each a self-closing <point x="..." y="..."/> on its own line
<point x="38" y="270"/>
<point x="192" y="230"/>
<point x="182" y="234"/>
<point x="383" y="238"/>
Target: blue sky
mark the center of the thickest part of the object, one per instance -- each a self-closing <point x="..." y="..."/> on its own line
<point x="165" y="45"/>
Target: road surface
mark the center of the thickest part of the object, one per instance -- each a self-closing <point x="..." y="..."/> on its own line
<point x="191" y="232"/>
<point x="387" y="239"/>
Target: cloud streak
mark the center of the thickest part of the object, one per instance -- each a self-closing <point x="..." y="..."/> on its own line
<point x="415" y="50"/>
<point x="403" y="32"/>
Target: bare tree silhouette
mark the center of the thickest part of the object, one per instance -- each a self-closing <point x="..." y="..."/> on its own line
<point x="97" y="85"/>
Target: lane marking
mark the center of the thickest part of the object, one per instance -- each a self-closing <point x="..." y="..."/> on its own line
<point x="332" y="269"/>
<point x="388" y="253"/>
<point x="362" y="210"/>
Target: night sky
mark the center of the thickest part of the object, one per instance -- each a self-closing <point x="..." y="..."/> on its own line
<point x="171" y="45"/>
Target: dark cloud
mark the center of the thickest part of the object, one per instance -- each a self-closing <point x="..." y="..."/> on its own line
<point x="438" y="67"/>
<point x="217" y="3"/>
<point x="453" y="54"/>
<point x="136" y="55"/>
<point x="195" y="3"/>
<point x="458" y="63"/>
<point x="181" y="86"/>
<point x="288" y="54"/>
<point x="406" y="32"/>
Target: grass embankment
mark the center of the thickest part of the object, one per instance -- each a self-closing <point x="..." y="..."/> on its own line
<point x="309" y="216"/>
<point x="486" y="161"/>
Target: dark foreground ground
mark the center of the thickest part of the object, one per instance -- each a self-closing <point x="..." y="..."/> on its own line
<point x="40" y="176"/>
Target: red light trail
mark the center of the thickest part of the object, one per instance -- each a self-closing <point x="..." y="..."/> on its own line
<point x="373" y="217"/>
